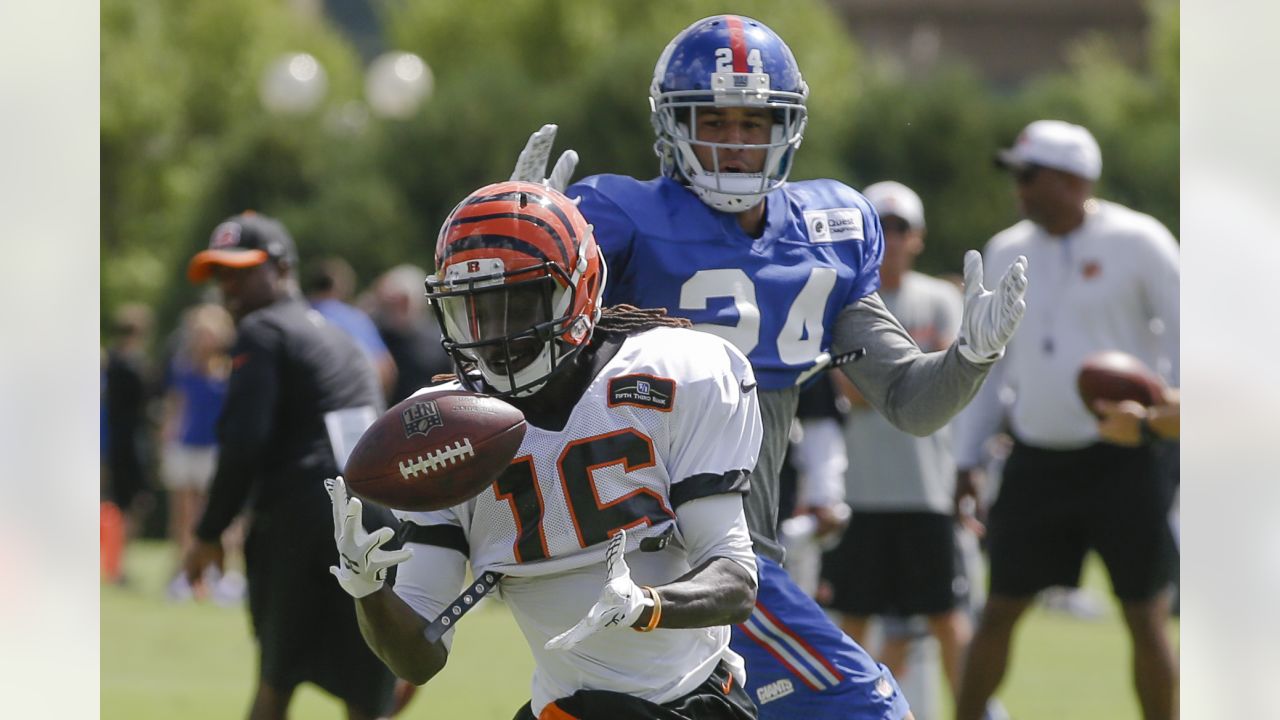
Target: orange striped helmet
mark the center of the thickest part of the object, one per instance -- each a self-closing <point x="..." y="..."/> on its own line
<point x="517" y="286"/>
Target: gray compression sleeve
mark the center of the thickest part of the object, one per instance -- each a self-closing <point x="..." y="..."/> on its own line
<point x="918" y="392"/>
<point x="777" y="408"/>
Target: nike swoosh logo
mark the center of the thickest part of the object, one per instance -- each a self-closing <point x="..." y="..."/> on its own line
<point x="746" y="386"/>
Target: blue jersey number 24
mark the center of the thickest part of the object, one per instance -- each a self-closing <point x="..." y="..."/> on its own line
<point x="799" y="342"/>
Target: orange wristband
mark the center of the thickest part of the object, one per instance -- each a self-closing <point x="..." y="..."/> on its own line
<point x="656" y="615"/>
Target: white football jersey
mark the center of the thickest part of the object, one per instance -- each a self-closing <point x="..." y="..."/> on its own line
<point x="671" y="417"/>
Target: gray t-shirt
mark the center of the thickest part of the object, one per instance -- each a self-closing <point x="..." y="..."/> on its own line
<point x="890" y="470"/>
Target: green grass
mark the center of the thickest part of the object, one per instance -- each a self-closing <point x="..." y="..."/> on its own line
<point x="197" y="661"/>
<point x="163" y="660"/>
<point x="1066" y="668"/>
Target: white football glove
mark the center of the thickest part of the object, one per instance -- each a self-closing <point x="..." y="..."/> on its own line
<point x="531" y="166"/>
<point x="620" y="603"/>
<point x="362" y="563"/>
<point x="990" y="316"/>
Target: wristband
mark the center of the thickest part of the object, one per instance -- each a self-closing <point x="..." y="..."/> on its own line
<point x="656" y="615"/>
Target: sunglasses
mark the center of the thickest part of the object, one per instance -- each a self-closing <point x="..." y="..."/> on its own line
<point x="893" y="223"/>
<point x="1026" y="174"/>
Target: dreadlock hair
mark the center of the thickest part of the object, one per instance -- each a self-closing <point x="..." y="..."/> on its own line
<point x="629" y="320"/>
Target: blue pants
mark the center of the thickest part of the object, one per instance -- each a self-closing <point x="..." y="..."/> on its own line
<point x="800" y="665"/>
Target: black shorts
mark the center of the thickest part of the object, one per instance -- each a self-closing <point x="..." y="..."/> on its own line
<point x="1055" y="505"/>
<point x="720" y="697"/>
<point x="897" y="563"/>
<point x="305" y="623"/>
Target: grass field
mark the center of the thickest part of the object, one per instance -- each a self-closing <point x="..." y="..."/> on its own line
<point x="163" y="660"/>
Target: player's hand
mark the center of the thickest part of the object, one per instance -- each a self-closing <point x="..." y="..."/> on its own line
<point x="620" y="603"/>
<point x="531" y="166"/>
<point x="362" y="563"/>
<point x="991" y="316"/>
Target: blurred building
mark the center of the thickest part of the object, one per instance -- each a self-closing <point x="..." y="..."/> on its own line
<point x="1008" y="41"/>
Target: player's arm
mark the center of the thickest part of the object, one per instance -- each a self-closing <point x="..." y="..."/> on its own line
<point x="919" y="392"/>
<point x="394" y="629"/>
<point x="393" y="622"/>
<point x="719" y="590"/>
<point x="716" y="442"/>
<point x="721" y="587"/>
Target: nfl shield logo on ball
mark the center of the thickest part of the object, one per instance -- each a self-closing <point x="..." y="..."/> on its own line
<point x="420" y="417"/>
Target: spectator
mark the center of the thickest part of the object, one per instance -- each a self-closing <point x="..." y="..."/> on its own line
<point x="196" y="387"/>
<point x="1108" y="273"/>
<point x="300" y="393"/>
<point x="900" y="556"/>
<point x="126" y="397"/>
<point x="409" y="329"/>
<point x="329" y="287"/>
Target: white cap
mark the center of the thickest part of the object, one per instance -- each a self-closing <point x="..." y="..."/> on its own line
<point x="894" y="198"/>
<point x="1055" y="144"/>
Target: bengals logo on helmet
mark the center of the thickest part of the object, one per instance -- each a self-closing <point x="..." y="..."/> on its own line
<point x="512" y="237"/>
<point x="526" y="226"/>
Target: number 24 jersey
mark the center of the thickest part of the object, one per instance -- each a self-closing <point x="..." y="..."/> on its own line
<point x="775" y="297"/>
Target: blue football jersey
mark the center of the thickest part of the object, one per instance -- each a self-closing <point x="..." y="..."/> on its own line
<point x="775" y="297"/>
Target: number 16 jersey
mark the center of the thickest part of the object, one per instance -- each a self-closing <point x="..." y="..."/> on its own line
<point x="671" y="417"/>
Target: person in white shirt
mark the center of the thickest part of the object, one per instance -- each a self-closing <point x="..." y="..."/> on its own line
<point x="617" y="535"/>
<point x="901" y="555"/>
<point x="1107" y="279"/>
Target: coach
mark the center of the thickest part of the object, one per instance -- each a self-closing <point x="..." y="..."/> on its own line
<point x="300" y="393"/>
<point x="1106" y="278"/>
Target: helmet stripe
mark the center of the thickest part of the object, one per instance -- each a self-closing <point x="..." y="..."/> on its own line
<point x="493" y="242"/>
<point x="532" y="219"/>
<point x="738" y="42"/>
<point x="515" y="195"/>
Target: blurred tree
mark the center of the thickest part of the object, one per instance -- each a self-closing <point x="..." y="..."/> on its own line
<point x="1133" y="113"/>
<point x="186" y="142"/>
<point x="938" y="134"/>
<point x="503" y="70"/>
<point x="179" y="95"/>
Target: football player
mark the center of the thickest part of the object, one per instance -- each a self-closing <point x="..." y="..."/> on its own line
<point x="640" y="442"/>
<point x="788" y="273"/>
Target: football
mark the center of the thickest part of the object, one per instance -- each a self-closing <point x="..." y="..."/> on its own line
<point x="1114" y="375"/>
<point x="434" y="450"/>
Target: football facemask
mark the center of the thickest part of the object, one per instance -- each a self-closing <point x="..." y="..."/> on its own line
<point x="518" y="285"/>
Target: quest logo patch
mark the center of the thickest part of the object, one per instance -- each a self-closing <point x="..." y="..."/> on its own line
<point x="644" y="391"/>
<point x="834" y="225"/>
